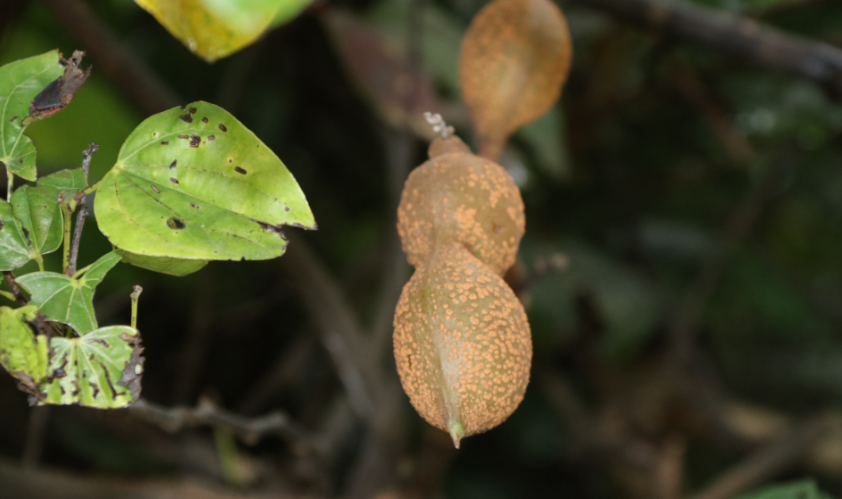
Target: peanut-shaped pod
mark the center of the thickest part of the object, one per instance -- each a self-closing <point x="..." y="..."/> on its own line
<point x="462" y="342"/>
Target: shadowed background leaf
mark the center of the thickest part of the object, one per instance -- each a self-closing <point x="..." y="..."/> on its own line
<point x="214" y="29"/>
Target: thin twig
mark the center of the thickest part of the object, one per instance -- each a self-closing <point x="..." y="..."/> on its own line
<point x="288" y="366"/>
<point x="691" y="87"/>
<point x="21" y="483"/>
<point x="77" y="236"/>
<point x="10" y="278"/>
<point x="206" y="414"/>
<point x="684" y="324"/>
<point x="341" y="333"/>
<point x="36" y="429"/>
<point x="767" y="462"/>
<point x="87" y="156"/>
<point x="763" y="45"/>
<point x="193" y="355"/>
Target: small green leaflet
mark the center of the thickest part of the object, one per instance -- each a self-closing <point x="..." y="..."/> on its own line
<point x="22" y="353"/>
<point x="39" y="214"/>
<point x="33" y="224"/>
<point x="65" y="299"/>
<point x="69" y="182"/>
<point x="38" y="209"/>
<point x="14" y="247"/>
<point x="101" y="369"/>
<point x="20" y="82"/>
<point x="164" y="264"/>
<point x="194" y="183"/>
<point x="799" y="490"/>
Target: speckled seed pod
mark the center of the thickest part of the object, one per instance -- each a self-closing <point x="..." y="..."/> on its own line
<point x="463" y="197"/>
<point x="462" y="342"/>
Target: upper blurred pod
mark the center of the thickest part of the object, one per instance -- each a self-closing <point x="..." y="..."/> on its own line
<point x="214" y="29"/>
<point x="515" y="58"/>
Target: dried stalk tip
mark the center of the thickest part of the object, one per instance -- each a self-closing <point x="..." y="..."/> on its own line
<point x="439" y="126"/>
<point x="457" y="431"/>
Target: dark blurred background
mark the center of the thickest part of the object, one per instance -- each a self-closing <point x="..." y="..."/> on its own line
<point x="681" y="269"/>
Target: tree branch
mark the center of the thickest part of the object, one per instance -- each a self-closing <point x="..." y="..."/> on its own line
<point x="19" y="483"/>
<point x="341" y="334"/>
<point x="763" y="45"/>
<point x="251" y="430"/>
<point x="767" y="461"/>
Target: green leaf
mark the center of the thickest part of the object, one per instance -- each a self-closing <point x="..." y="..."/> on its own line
<point x="289" y="10"/>
<point x="800" y="490"/>
<point x="22" y="353"/>
<point x="164" y="264"/>
<point x="14" y="246"/>
<point x="195" y="183"/>
<point x="70" y="182"/>
<point x="40" y="216"/>
<point x="65" y="299"/>
<point x="214" y="29"/>
<point x="20" y="82"/>
<point x="101" y="369"/>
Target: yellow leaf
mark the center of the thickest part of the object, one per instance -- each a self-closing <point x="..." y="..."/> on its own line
<point x="515" y="58"/>
<point x="214" y="29"/>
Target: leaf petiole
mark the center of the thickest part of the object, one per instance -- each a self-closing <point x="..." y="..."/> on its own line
<point x="67" y="211"/>
<point x="10" y="182"/>
<point x="135" y="296"/>
<point x="81" y="271"/>
<point x="75" y="200"/>
<point x="7" y="295"/>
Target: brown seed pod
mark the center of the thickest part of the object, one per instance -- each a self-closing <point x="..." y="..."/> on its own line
<point x="462" y="343"/>
<point x="463" y="197"/>
<point x="515" y="58"/>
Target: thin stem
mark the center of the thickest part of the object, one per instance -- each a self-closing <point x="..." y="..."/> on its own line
<point x="16" y="292"/>
<point x="7" y="295"/>
<point x="135" y="295"/>
<point x="40" y="260"/>
<point x="79" y="197"/>
<point x="73" y="258"/>
<point x="81" y="271"/>
<point x="67" y="212"/>
<point x="87" y="154"/>
<point x="77" y="236"/>
<point x="10" y="182"/>
<point x="226" y="449"/>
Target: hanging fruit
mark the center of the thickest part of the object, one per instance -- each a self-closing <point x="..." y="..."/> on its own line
<point x="462" y="342"/>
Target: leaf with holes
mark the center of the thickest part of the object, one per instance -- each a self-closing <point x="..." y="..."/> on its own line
<point x="20" y="82"/>
<point x="515" y="57"/>
<point x="214" y="29"/>
<point x="194" y="183"/>
<point x="164" y="264"/>
<point x="22" y="353"/>
<point x="40" y="216"/>
<point x="65" y="299"/>
<point x="100" y="369"/>
<point x="14" y="245"/>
